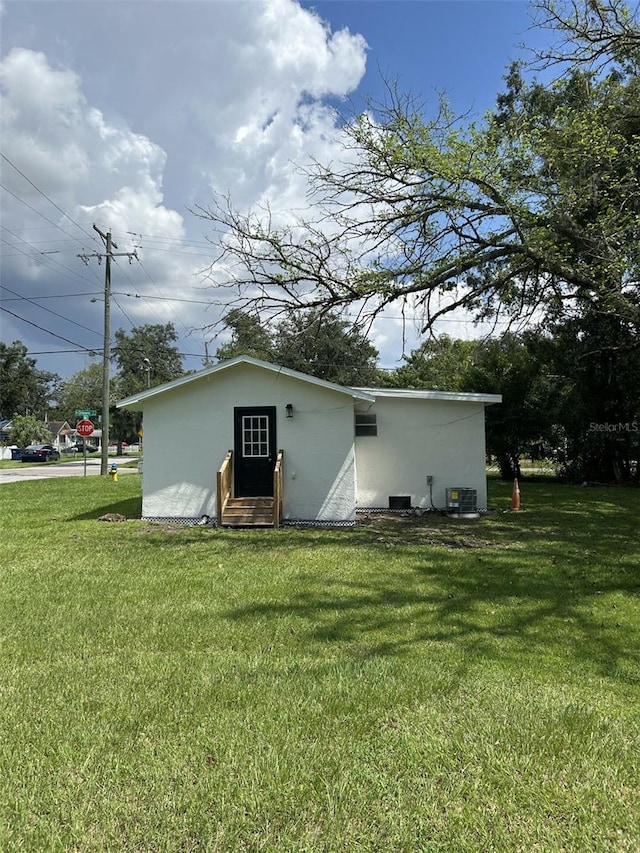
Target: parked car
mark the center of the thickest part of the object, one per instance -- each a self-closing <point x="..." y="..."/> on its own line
<point x="79" y="446"/>
<point x="40" y="453"/>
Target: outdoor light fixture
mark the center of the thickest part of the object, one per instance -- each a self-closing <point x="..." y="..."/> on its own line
<point x="289" y="410"/>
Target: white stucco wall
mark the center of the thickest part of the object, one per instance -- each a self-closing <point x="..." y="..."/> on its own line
<point x="189" y="429"/>
<point x="416" y="438"/>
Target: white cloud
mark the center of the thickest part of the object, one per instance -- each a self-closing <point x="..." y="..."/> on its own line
<point x="198" y="96"/>
<point x="68" y="150"/>
<point x="41" y="114"/>
<point x="72" y="161"/>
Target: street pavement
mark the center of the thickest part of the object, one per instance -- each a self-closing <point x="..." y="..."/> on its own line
<point x="74" y="468"/>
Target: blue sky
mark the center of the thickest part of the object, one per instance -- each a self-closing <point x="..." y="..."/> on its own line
<point x="457" y="47"/>
<point x="126" y="114"/>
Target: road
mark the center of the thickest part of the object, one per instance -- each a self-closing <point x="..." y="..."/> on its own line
<point x="73" y="468"/>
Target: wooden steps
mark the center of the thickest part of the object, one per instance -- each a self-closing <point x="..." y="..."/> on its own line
<point x="248" y="512"/>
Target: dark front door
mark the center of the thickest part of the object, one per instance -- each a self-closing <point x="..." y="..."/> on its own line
<point x="255" y="451"/>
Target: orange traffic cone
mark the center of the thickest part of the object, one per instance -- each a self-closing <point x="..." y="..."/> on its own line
<point x="515" y="498"/>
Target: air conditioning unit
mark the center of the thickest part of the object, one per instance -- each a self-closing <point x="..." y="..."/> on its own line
<point x="462" y="501"/>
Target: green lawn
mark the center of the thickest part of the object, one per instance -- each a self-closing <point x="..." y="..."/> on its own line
<point x="409" y="685"/>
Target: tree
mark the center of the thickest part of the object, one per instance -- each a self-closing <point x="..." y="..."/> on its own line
<point x="517" y="367"/>
<point x="597" y="365"/>
<point x="534" y="210"/>
<point x="146" y="357"/>
<point x="83" y="390"/>
<point x="24" y="390"/>
<point x="326" y="346"/>
<point x="439" y="363"/>
<point x="248" y="337"/>
<point x="318" y="343"/>
<point x="26" y="429"/>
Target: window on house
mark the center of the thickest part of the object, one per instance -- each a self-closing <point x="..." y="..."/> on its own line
<point x="255" y="436"/>
<point x="366" y="424"/>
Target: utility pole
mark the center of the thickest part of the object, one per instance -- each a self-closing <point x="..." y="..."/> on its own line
<point x="106" y="350"/>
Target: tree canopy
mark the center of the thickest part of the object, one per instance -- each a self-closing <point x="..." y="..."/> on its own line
<point x="146" y="356"/>
<point x="319" y="343"/>
<point x="248" y="337"/>
<point x="27" y="429"/>
<point x="83" y="390"/>
<point x="24" y="389"/>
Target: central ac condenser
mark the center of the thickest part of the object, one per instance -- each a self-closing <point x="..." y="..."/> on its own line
<point x="462" y="501"/>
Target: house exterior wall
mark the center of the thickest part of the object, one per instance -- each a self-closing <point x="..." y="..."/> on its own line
<point x="416" y="438"/>
<point x="189" y="429"/>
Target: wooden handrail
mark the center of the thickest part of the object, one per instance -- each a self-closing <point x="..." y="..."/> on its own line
<point x="278" y="488"/>
<point x="223" y="485"/>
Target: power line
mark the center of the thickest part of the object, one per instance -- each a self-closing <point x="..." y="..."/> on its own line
<point x="44" y="195"/>
<point x="38" y="213"/>
<point x="58" y="351"/>
<point x="47" y="331"/>
<point x="163" y="237"/>
<point x="52" y="296"/>
<point x="49" y="311"/>
<point x="36" y="259"/>
<point x="124" y="313"/>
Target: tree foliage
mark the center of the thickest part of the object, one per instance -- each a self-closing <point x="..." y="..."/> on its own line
<point x="321" y="344"/>
<point x="248" y="337"/>
<point x="596" y="363"/>
<point x="518" y="368"/>
<point x="24" y="390"/>
<point x="27" y="429"/>
<point x="83" y="390"/>
<point x="439" y="363"/>
<point x="146" y="356"/>
<point x="326" y="346"/>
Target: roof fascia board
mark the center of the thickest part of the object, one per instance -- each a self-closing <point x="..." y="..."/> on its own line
<point x="357" y="393"/>
<point x="444" y="396"/>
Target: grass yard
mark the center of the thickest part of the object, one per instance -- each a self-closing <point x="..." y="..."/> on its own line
<point x="407" y="685"/>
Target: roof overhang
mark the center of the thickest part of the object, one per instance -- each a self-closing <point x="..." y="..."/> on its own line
<point x="444" y="396"/>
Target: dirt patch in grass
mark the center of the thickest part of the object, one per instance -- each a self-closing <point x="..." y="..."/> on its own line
<point x="386" y="530"/>
<point x="434" y="530"/>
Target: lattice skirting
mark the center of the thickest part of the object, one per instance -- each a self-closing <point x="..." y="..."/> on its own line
<point x="207" y="521"/>
<point x="201" y="521"/>
<point x="210" y="521"/>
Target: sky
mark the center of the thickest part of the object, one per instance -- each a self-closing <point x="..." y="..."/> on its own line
<point x="128" y="114"/>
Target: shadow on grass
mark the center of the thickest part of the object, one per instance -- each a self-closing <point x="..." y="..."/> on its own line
<point x="556" y="585"/>
<point x="131" y="508"/>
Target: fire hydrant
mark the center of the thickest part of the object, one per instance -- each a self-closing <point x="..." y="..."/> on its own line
<point x="113" y="473"/>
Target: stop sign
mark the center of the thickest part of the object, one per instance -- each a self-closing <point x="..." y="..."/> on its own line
<point x="84" y="428"/>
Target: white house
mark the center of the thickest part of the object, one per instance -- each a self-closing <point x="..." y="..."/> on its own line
<point x="247" y="442"/>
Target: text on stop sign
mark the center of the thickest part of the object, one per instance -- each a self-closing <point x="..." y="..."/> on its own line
<point x="84" y="428"/>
